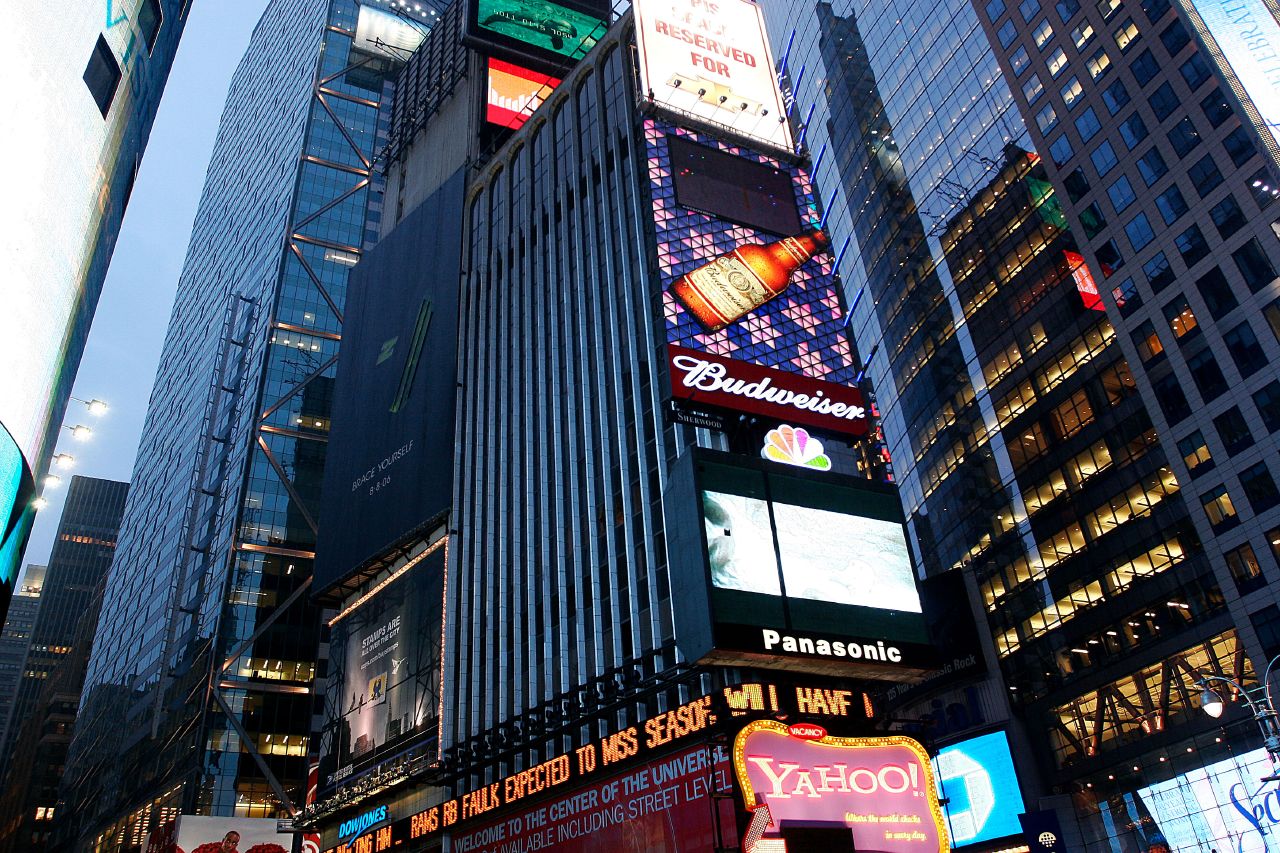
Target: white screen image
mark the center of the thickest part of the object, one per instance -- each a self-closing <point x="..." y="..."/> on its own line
<point x="826" y="556"/>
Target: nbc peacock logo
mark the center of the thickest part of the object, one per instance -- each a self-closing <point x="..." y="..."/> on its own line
<point x="794" y="446"/>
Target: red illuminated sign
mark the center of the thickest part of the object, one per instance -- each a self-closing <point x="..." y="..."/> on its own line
<point x="514" y="93"/>
<point x="807" y="731"/>
<point x="881" y="788"/>
<point x="1087" y="287"/>
<point x="725" y="382"/>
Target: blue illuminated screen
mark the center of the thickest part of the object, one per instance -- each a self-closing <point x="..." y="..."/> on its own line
<point x="978" y="778"/>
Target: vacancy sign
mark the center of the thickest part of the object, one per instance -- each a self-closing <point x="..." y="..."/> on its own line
<point x="711" y="61"/>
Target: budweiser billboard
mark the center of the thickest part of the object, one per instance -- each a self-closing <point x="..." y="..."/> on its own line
<point x="882" y="788"/>
<point x="712" y="380"/>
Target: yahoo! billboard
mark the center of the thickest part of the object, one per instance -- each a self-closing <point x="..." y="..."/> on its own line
<point x="882" y="788"/>
<point x="749" y="286"/>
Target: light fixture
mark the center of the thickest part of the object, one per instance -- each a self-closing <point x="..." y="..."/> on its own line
<point x="39" y="504"/>
<point x="64" y="460"/>
<point x="52" y="481"/>
<point x="96" y="407"/>
<point x="1211" y="702"/>
<point x="80" y="432"/>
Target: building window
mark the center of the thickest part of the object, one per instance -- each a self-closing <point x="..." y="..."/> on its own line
<point x="1109" y="258"/>
<point x="1266" y="624"/>
<point x="1245" y="350"/>
<point x="1067" y="9"/>
<point x="1126" y="35"/>
<point x="1219" y="508"/>
<point x="1184" y="137"/>
<point x="1060" y="151"/>
<point x="1272" y="315"/>
<point x="995" y="8"/>
<point x="1139" y="231"/>
<point x="1007" y="33"/>
<point x="1092" y="220"/>
<point x="1028" y="9"/>
<point x="102" y="75"/>
<point x="1082" y="35"/>
<point x="1233" y="431"/>
<point x="1207" y="375"/>
<point x="1070" y="94"/>
<point x="1121" y="193"/>
<point x="1098" y="64"/>
<point x="1172" y="399"/>
<point x="150" y="17"/>
<point x="1041" y="34"/>
<point x="1227" y="217"/>
<point x="1020" y="61"/>
<point x="1182" y="320"/>
<point x="1104" y="158"/>
<point x="1164" y="101"/>
<point x="1128" y="298"/>
<point x="1108" y="8"/>
<point x="1261" y="190"/>
<point x="1171" y="204"/>
<point x="1087" y="125"/>
<point x="1267" y="399"/>
<point x="1159" y="272"/>
<point x="1032" y="89"/>
<point x="1057" y="62"/>
<point x="1147" y="342"/>
<point x="1254" y="265"/>
<point x="1195" y="454"/>
<point x="1030" y="445"/>
<point x="1152" y="167"/>
<point x="1145" y="68"/>
<point x="1115" y="97"/>
<point x="1047" y="118"/>
<point x="1216" y="293"/>
<point x="1117" y="382"/>
<point x="1245" y="570"/>
<point x="1195" y="71"/>
<point x="1133" y="130"/>
<point x="1204" y="175"/>
<point x="1239" y="146"/>
<point x="1273" y="539"/>
<point x="1076" y="183"/>
<point x="1259" y="487"/>
<point x="1174" y="38"/>
<point x="1215" y="106"/>
<point x="1192" y="246"/>
<point x="1073" y="414"/>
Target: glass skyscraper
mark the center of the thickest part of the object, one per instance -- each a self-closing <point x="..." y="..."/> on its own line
<point x="85" y="82"/>
<point x="1016" y="186"/>
<point x="198" y="693"/>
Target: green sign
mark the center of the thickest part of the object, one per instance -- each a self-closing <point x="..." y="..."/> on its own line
<point x="546" y="26"/>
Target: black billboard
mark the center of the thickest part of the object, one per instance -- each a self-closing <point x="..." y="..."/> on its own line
<point x="390" y="457"/>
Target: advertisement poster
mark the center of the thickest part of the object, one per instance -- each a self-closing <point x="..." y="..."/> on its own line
<point x="883" y="788"/>
<point x="386" y="657"/>
<point x="753" y="318"/>
<point x="662" y="805"/>
<point x="514" y="93"/>
<point x="558" y="32"/>
<point x="201" y="834"/>
<point x="712" y="61"/>
<point x="977" y="779"/>
<point x="1248" y="34"/>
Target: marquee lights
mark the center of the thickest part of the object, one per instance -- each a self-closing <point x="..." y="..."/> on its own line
<point x="442" y="542"/>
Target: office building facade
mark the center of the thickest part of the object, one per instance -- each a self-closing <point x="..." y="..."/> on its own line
<point x="198" y="697"/>
<point x="1057" y="219"/>
<point x="16" y="637"/>
<point x="87" y="82"/>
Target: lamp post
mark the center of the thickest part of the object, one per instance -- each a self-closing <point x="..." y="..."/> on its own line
<point x="1258" y="701"/>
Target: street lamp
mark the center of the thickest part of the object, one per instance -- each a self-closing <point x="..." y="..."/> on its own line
<point x="96" y="407"/>
<point x="79" y="432"/>
<point x="1257" y="699"/>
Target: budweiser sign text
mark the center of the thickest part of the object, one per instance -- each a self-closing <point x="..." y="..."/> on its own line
<point x="716" y="381"/>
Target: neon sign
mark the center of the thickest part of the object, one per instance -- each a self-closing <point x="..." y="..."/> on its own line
<point x="350" y="830"/>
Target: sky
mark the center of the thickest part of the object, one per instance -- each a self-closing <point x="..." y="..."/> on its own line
<point x="128" y="330"/>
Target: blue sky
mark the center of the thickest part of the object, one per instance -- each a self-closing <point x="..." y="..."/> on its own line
<point x="128" y="330"/>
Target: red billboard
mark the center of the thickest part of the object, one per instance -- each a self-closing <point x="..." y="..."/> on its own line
<point x="664" y="804"/>
<point x="713" y="380"/>
<point x="882" y="788"/>
<point x="514" y="93"/>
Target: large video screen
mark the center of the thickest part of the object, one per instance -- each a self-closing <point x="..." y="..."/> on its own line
<point x="557" y="33"/>
<point x="514" y="93"/>
<point x="979" y="785"/>
<point x="727" y="186"/>
<point x="739" y="302"/>
<point x="385" y="680"/>
<point x="806" y="553"/>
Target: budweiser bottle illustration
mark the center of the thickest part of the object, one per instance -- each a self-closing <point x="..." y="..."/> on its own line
<point x="720" y="291"/>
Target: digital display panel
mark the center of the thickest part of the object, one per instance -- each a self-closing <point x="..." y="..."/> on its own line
<point x="711" y="61"/>
<point x="792" y="557"/>
<point x="881" y="788"/>
<point x="977" y="780"/>
<point x="713" y="182"/>
<point x="514" y="93"/>
<point x="385" y="659"/>
<point x="740" y="295"/>
<point x="1248" y="37"/>
<point x="203" y="834"/>
<point x="557" y="33"/>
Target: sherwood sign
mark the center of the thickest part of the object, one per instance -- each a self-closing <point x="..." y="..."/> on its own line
<point x="731" y="384"/>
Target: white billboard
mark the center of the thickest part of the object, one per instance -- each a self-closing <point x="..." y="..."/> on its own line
<point x="1248" y="37"/>
<point x="711" y="61"/>
<point x="203" y="834"/>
